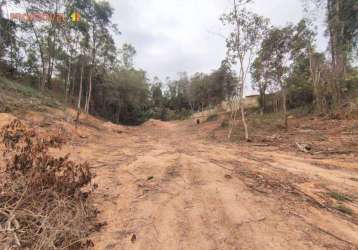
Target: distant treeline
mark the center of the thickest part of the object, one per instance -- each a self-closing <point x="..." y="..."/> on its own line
<point x="79" y="58"/>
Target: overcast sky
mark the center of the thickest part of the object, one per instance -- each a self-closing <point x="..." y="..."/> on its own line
<point x="173" y="36"/>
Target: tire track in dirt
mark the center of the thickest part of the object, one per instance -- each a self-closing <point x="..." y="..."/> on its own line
<point x="165" y="188"/>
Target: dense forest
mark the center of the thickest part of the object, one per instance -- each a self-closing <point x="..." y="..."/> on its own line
<point x="79" y="58"/>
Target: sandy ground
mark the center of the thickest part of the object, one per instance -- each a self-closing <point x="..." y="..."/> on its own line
<point x="162" y="186"/>
<point x="168" y="186"/>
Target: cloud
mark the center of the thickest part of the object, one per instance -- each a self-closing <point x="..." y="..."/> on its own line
<point x="172" y="36"/>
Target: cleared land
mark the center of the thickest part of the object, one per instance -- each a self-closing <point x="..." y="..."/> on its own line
<point x="170" y="185"/>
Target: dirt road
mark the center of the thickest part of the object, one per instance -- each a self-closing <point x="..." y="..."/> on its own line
<point x="163" y="186"/>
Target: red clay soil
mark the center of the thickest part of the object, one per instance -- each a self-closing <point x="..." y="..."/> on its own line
<point x="169" y="185"/>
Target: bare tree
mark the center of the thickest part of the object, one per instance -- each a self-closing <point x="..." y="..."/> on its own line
<point x="242" y="45"/>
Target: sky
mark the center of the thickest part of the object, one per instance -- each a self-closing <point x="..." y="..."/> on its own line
<point x="173" y="36"/>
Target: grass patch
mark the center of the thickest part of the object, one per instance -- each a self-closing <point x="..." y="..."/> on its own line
<point x="212" y="117"/>
<point x="266" y="121"/>
<point x="340" y="196"/>
<point x="225" y="123"/>
<point x="301" y="111"/>
<point x="19" y="88"/>
<point x="23" y="95"/>
<point x="344" y="209"/>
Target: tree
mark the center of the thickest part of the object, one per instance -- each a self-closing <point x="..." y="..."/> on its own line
<point x="304" y="76"/>
<point x="276" y="48"/>
<point x="342" y="20"/>
<point x="242" y="45"/>
<point x="221" y="84"/>
<point x="177" y="94"/>
<point x="128" y="52"/>
<point x="261" y="79"/>
<point x="43" y="35"/>
<point x="127" y="96"/>
<point x="156" y="92"/>
<point x="97" y="15"/>
<point x="342" y="29"/>
<point x="10" y="56"/>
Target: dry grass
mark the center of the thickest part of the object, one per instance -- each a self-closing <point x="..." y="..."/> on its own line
<point x="344" y="209"/>
<point x="43" y="204"/>
<point x="340" y="196"/>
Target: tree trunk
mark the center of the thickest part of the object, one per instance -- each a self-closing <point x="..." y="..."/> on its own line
<point x="72" y="92"/>
<point x="315" y="77"/>
<point x="49" y="73"/>
<point x="89" y="94"/>
<point x="284" y="106"/>
<point x="234" y="108"/>
<point x="79" y="98"/>
<point x="263" y="100"/>
<point x="243" y="118"/>
<point x="94" y="42"/>
<point x="242" y="108"/>
<point x="335" y="27"/>
<point x="11" y="58"/>
<point x="242" y="105"/>
<point x="42" y="56"/>
<point x="51" y="57"/>
<point x="67" y="81"/>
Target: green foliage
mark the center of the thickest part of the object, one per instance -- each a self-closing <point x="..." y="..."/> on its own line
<point x="225" y="123"/>
<point x="342" y="20"/>
<point x="344" y="209"/>
<point x="25" y="95"/>
<point x="128" y="52"/>
<point x="351" y="81"/>
<point x="10" y="56"/>
<point x="23" y="89"/>
<point x="187" y="94"/>
<point x="125" y="96"/>
<point x="47" y="53"/>
<point x="212" y="117"/>
<point x="299" y="87"/>
<point x="275" y="52"/>
<point x="340" y="196"/>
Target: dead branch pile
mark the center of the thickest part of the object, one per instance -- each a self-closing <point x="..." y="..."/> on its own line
<point x="43" y="204"/>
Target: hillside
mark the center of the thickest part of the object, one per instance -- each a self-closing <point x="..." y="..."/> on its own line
<point x="179" y="185"/>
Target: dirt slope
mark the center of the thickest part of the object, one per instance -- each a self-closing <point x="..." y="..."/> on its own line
<point x="164" y="186"/>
